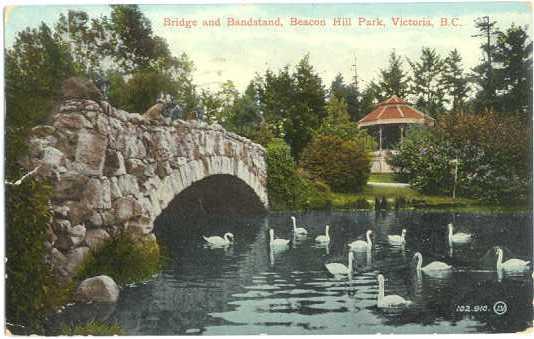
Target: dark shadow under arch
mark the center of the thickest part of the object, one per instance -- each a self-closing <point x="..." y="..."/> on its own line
<point x="216" y="195"/>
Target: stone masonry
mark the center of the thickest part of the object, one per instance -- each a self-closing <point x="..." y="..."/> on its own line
<point x="113" y="170"/>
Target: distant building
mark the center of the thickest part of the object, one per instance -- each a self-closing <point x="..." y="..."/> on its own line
<point x="387" y="123"/>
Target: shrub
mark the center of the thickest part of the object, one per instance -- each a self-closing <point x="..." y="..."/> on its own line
<point x="31" y="289"/>
<point x="423" y="161"/>
<point x="493" y="153"/>
<point x="343" y="164"/>
<point x="289" y="187"/>
<point x="124" y="259"/>
<point x="93" y="328"/>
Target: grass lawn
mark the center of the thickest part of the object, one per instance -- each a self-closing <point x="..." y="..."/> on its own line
<point x="382" y="177"/>
<point x="345" y="200"/>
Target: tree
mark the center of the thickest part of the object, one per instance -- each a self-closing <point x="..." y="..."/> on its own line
<point x="276" y="93"/>
<point x="483" y="74"/>
<point x="513" y="53"/>
<point x="370" y="97"/>
<point x="455" y="82"/>
<point x="36" y="66"/>
<point x="293" y="103"/>
<point x="393" y="80"/>
<point x="88" y="41"/>
<point x="349" y="93"/>
<point x="246" y="118"/>
<point x="309" y="107"/>
<point x="135" y="45"/>
<point x="427" y="85"/>
<point x="336" y="110"/>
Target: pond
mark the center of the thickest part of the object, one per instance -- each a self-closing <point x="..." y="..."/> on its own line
<point x="248" y="289"/>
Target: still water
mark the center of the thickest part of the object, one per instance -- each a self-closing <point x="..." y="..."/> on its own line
<point x="248" y="289"/>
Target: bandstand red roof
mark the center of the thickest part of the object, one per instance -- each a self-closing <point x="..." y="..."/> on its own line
<point x="395" y="111"/>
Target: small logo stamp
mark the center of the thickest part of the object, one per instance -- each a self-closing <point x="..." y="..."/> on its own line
<point x="500" y="308"/>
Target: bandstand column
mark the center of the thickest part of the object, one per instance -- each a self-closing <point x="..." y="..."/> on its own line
<point x="380" y="137"/>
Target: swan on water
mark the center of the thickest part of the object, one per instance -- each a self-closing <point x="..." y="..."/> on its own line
<point x="340" y="269"/>
<point x="324" y="238"/>
<point x="227" y="239"/>
<point x="299" y="231"/>
<point x="436" y="268"/>
<point x="389" y="301"/>
<point x="511" y="265"/>
<point x="361" y="245"/>
<point x="277" y="242"/>
<point x="398" y="239"/>
<point x="458" y="238"/>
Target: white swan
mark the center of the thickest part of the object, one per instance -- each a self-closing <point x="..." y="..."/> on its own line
<point x="361" y="245"/>
<point x="435" y="268"/>
<point x="299" y="231"/>
<point x="397" y="240"/>
<point x="511" y="265"/>
<point x="458" y="238"/>
<point x="340" y="269"/>
<point x="227" y="239"/>
<point x="389" y="301"/>
<point x="324" y="238"/>
<point x="277" y="242"/>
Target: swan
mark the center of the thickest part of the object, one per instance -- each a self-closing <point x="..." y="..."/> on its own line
<point x="339" y="269"/>
<point x="389" y="301"/>
<point x="458" y="238"/>
<point x="511" y="265"/>
<point x="361" y="245"/>
<point x="227" y="239"/>
<point x="436" y="268"/>
<point x="398" y="239"/>
<point x="299" y="231"/>
<point x="324" y="238"/>
<point x="277" y="242"/>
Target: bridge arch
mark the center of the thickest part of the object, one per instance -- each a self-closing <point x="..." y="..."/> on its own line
<point x="113" y="170"/>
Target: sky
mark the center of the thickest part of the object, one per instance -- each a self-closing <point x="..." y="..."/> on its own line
<point x="237" y="54"/>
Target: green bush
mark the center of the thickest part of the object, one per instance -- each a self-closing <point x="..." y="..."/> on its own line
<point x="343" y="164"/>
<point x="493" y="153"/>
<point x="124" y="259"/>
<point x="423" y="161"/>
<point x="288" y="187"/>
<point x="93" y="328"/>
<point x="31" y="289"/>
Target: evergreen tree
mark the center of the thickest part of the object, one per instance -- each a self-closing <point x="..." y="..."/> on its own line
<point x="246" y="117"/>
<point x="308" y="110"/>
<point x="276" y="94"/>
<point x="427" y="85"/>
<point x="393" y="80"/>
<point x="483" y="74"/>
<point x="349" y="93"/>
<point x="455" y="81"/>
<point x="371" y="96"/>
<point x="514" y="75"/>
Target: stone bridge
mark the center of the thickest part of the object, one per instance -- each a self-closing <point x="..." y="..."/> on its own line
<point x="112" y="170"/>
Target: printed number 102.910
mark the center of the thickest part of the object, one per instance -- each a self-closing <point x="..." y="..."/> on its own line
<point x="472" y="308"/>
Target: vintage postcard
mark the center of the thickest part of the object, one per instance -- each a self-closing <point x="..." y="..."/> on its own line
<point x="246" y="169"/>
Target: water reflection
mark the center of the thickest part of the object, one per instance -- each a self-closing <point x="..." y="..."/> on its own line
<point x="250" y="289"/>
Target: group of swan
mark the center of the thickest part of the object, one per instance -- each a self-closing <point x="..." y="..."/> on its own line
<point x="435" y="268"/>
